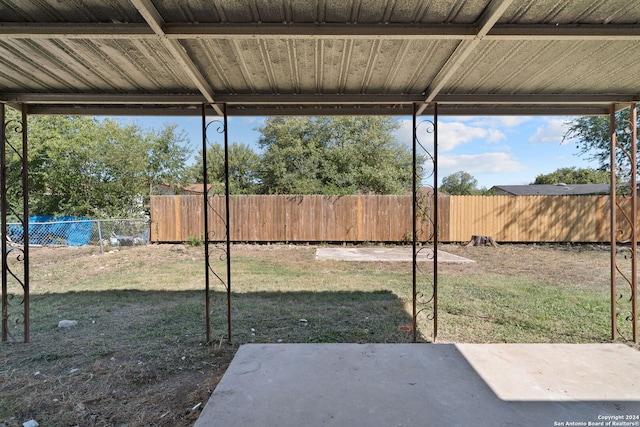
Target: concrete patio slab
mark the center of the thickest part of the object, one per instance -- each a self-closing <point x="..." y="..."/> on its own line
<point x="385" y="254"/>
<point x="292" y="385"/>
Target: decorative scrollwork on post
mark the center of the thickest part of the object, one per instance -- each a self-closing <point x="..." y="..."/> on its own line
<point x="217" y="243"/>
<point x="624" y="241"/>
<point x="15" y="237"/>
<point x="425" y="219"/>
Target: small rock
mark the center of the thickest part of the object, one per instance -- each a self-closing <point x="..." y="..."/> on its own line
<point x="67" y="323"/>
<point x="30" y="423"/>
<point x="178" y="248"/>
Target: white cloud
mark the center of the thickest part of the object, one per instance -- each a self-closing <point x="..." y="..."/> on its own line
<point x="550" y="133"/>
<point x="450" y="134"/>
<point x="501" y="121"/>
<point x="495" y="135"/>
<point x="404" y="134"/>
<point x="484" y="163"/>
<point x="454" y="134"/>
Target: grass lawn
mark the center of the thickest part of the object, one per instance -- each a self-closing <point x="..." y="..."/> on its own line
<point x="137" y="356"/>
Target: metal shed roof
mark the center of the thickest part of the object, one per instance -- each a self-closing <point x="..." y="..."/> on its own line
<point x="266" y="57"/>
<point x="553" y="189"/>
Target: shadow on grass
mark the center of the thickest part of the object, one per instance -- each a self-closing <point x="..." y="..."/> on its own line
<point x="147" y="348"/>
<point x="110" y="321"/>
<point x="319" y="317"/>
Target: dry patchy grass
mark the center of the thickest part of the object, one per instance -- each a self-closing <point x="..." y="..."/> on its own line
<point x="138" y="357"/>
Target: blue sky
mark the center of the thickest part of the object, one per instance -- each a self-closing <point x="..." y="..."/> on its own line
<point x="496" y="150"/>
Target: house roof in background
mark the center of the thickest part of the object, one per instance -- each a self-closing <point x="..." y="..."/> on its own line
<point x="284" y="57"/>
<point x="552" y="190"/>
<point x="187" y="189"/>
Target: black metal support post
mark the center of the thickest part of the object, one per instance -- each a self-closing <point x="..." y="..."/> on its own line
<point x="15" y="206"/>
<point x="613" y="208"/>
<point x="425" y="223"/>
<point x="624" y="236"/>
<point x="212" y="241"/>
<point x="205" y="214"/>
<point x="633" y="129"/>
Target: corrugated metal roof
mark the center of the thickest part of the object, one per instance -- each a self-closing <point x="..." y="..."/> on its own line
<point x="268" y="57"/>
<point x="552" y="190"/>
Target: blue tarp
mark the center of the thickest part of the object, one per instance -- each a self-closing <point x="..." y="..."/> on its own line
<point x="59" y="231"/>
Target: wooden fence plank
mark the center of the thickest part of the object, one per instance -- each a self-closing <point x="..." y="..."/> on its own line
<point x="376" y="218"/>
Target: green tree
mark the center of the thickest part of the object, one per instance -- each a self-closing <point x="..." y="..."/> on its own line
<point x="593" y="135"/>
<point x="167" y="158"/>
<point x="333" y="155"/>
<point x="244" y="165"/>
<point x="459" y="184"/>
<point x="98" y="168"/>
<point x="574" y="175"/>
<point x="293" y="156"/>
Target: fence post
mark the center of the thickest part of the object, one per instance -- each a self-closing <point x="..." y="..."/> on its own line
<point x="100" y="238"/>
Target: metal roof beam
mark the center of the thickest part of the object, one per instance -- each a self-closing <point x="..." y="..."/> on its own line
<point x="564" y="32"/>
<point x="178" y="99"/>
<point x="524" y="110"/>
<point x="156" y="22"/>
<point x="324" y="99"/>
<point x="487" y="20"/>
<point x="317" y="110"/>
<point x="313" y="99"/>
<point x="106" y="99"/>
<point x="113" y="110"/>
<point x="536" y="99"/>
<point x="322" y="31"/>
<point x="30" y="30"/>
<point x="133" y="31"/>
<point x="156" y="28"/>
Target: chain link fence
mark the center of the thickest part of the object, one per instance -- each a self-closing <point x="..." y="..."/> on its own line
<point x="72" y="231"/>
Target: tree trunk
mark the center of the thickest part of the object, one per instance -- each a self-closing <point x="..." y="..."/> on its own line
<point x="482" y="241"/>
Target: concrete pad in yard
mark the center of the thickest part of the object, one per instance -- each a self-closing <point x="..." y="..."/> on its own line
<point x="292" y="385"/>
<point x="385" y="254"/>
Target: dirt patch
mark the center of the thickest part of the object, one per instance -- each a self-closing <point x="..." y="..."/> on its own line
<point x="392" y="254"/>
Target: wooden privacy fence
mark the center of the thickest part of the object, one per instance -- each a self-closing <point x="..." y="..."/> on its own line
<point x="376" y="218"/>
<point x="284" y="218"/>
<point x="530" y="218"/>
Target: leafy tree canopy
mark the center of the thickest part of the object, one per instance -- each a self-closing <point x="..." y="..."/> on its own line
<point x="574" y="175"/>
<point x="244" y="165"/>
<point x="460" y="184"/>
<point x="98" y="168"/>
<point x="593" y="136"/>
<point x="333" y="155"/>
